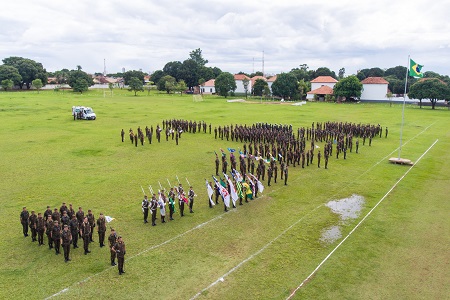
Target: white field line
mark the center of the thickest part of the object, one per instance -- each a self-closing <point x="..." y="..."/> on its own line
<point x="357" y="225"/>
<point x="220" y="279"/>
<point x="205" y="223"/>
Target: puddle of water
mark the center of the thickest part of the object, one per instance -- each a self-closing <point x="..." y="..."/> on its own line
<point x="346" y="208"/>
<point x="331" y="234"/>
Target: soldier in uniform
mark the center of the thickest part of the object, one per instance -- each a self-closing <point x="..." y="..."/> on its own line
<point x="119" y="249"/>
<point x="56" y="236"/>
<point x="122" y="134"/>
<point x="66" y="239"/>
<point x="145" y="205"/>
<point x="70" y="212"/>
<point x="80" y="218"/>
<point x="171" y="204"/>
<point x="91" y="220"/>
<point x="63" y="208"/>
<point x="48" y="231"/>
<point x="357" y="145"/>
<point x="40" y="228"/>
<point x="56" y="216"/>
<point x="85" y="232"/>
<point x="191" y="195"/>
<point x="285" y="175"/>
<point x="217" y="165"/>
<point x="32" y="220"/>
<point x="112" y="239"/>
<point x="73" y="224"/>
<point x="319" y="155"/>
<point x="269" y="175"/>
<point x="101" y="229"/>
<point x="153" y="207"/>
<point x="24" y="216"/>
<point x="47" y="213"/>
<point x="65" y="219"/>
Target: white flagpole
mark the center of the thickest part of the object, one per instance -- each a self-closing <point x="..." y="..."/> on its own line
<point x="403" y="109"/>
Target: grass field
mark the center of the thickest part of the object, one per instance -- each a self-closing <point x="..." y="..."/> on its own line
<point x="264" y="249"/>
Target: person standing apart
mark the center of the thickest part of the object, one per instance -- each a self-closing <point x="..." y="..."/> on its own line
<point x="101" y="229"/>
<point x="24" y="216"/>
<point x="66" y="240"/>
<point x="119" y="249"/>
<point x="85" y="232"/>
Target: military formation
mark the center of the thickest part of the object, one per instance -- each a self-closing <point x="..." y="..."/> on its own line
<point x="268" y="150"/>
<point x="65" y="227"/>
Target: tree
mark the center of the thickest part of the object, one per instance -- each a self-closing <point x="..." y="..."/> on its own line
<point x="7" y="84"/>
<point x="180" y="86"/>
<point x="28" y="69"/>
<point x="225" y="84"/>
<point x="37" y="84"/>
<point x="79" y="80"/>
<point x="167" y="83"/>
<point x="375" y="72"/>
<point x="62" y="76"/>
<point x="196" y="55"/>
<point x="156" y="76"/>
<point x="135" y="84"/>
<point x="341" y="73"/>
<point x="190" y="72"/>
<point x="303" y="88"/>
<point x="362" y="74"/>
<point x="301" y="74"/>
<point x="174" y="69"/>
<point x="396" y="85"/>
<point x="245" y="83"/>
<point x="133" y="73"/>
<point x="285" y="86"/>
<point x="348" y="87"/>
<point x="150" y="86"/>
<point x="324" y="71"/>
<point x="432" y="89"/>
<point x="80" y="85"/>
<point x="399" y="72"/>
<point x="10" y="72"/>
<point x="258" y="87"/>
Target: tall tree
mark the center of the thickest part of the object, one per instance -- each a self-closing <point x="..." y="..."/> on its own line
<point x="399" y="72"/>
<point x="341" y="73"/>
<point x="324" y="71"/>
<point x="133" y="73"/>
<point x="156" y="76"/>
<point x="190" y="72"/>
<point x="375" y="72"/>
<point x="135" y="85"/>
<point x="258" y="87"/>
<point x="225" y="84"/>
<point x="196" y="55"/>
<point x="79" y="80"/>
<point x="28" y="69"/>
<point x="10" y="72"/>
<point x="348" y="87"/>
<point x="286" y="86"/>
<point x="432" y="89"/>
<point x="174" y="69"/>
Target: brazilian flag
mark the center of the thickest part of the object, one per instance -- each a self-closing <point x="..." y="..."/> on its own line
<point x="415" y="69"/>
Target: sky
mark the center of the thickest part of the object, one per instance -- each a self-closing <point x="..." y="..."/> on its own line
<point x="233" y="35"/>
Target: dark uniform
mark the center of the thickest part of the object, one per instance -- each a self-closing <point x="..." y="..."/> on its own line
<point x="86" y="231"/>
<point x="153" y="207"/>
<point x="24" y="216"/>
<point x="91" y="220"/>
<point x="32" y="220"/>
<point x="191" y="195"/>
<point x="66" y="239"/>
<point x="112" y="239"/>
<point x="101" y="229"/>
<point x="80" y="218"/>
<point x="145" y="205"/>
<point x="74" y="227"/>
<point x="285" y="175"/>
<point x="48" y="231"/>
<point x="119" y="249"/>
<point x="171" y="203"/>
<point x="40" y="228"/>
<point x="56" y="236"/>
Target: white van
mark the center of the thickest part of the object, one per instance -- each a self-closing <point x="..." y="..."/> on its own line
<point x="83" y="113"/>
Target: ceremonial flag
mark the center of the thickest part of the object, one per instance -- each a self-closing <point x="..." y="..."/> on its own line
<point x="109" y="219"/>
<point x="237" y="175"/>
<point x="248" y="190"/>
<point x="260" y="185"/>
<point x="242" y="154"/>
<point x="223" y="192"/>
<point x="223" y="153"/>
<point x="239" y="189"/>
<point x="234" y="195"/>
<point x="210" y="192"/>
<point x="415" y="69"/>
<point x="231" y="150"/>
<point x="252" y="185"/>
<point x="222" y="183"/>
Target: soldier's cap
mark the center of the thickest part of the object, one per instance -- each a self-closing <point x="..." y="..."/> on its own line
<point x="119" y="237"/>
<point x="112" y="229"/>
<point x="56" y="221"/>
<point x="65" y="226"/>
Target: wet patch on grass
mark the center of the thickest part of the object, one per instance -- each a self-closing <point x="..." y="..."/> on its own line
<point x="347" y="209"/>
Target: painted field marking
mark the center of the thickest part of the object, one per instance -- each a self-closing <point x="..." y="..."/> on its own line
<point x="360" y="222"/>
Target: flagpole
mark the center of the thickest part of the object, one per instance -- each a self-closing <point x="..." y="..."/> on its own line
<point x="403" y="109"/>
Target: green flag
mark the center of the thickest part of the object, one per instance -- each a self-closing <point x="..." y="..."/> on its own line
<point x="415" y="69"/>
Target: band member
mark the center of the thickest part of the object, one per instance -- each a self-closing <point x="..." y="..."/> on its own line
<point x="145" y="205"/>
<point x="171" y="203"/>
<point x="153" y="207"/>
<point x="191" y="195"/>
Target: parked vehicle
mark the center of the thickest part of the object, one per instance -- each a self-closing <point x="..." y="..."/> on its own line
<point x="83" y="113"/>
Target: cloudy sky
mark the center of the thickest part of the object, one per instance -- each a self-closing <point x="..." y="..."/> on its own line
<point x="233" y="35"/>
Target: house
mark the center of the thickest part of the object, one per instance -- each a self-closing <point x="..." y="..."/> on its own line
<point x="239" y="79"/>
<point x="209" y="87"/>
<point x="374" y="88"/>
<point x="270" y="81"/>
<point x="321" y="86"/>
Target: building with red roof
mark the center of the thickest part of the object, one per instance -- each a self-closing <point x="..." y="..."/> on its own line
<point x="374" y="88"/>
<point x="321" y="86"/>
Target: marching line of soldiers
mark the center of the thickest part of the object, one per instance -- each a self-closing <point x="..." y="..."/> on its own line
<point x="64" y="227"/>
<point x="175" y="194"/>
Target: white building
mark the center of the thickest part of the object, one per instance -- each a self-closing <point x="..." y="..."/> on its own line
<point x="239" y="79"/>
<point x="374" y="88"/>
<point x="321" y="86"/>
<point x="270" y="81"/>
<point x="209" y="87"/>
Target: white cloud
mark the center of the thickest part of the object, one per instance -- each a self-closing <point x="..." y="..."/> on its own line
<point x="232" y="34"/>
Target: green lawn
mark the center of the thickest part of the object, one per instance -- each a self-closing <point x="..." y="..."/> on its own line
<point x="266" y="248"/>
